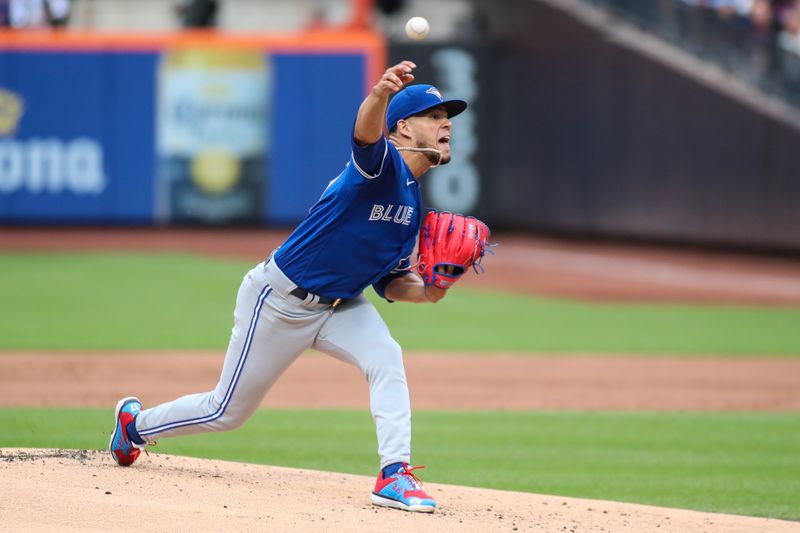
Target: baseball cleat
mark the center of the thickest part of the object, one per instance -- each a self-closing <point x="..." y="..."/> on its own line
<point x="125" y="451"/>
<point x="402" y="490"/>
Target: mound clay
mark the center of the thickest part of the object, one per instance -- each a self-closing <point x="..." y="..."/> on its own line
<point x="68" y="490"/>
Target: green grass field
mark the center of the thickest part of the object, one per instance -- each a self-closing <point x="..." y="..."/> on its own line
<point x="742" y="463"/>
<point x="733" y="463"/>
<point x="173" y="301"/>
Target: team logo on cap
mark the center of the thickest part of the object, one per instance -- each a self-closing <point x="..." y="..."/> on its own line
<point x="434" y="90"/>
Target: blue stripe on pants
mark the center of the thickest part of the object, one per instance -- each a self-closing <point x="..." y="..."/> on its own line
<point x="231" y="387"/>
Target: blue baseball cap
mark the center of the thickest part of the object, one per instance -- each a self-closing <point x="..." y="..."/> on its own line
<point x="416" y="99"/>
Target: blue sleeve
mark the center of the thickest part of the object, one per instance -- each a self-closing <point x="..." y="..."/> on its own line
<point x="371" y="160"/>
<point x="402" y="269"/>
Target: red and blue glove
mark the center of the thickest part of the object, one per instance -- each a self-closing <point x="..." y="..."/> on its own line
<point x="448" y="245"/>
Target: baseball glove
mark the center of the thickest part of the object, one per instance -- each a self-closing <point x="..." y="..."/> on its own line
<point x="448" y="245"/>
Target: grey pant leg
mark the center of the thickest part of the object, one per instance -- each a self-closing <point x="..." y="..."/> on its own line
<point x="269" y="333"/>
<point x="357" y="334"/>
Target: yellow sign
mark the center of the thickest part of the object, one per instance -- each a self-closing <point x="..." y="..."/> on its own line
<point x="215" y="171"/>
<point x="11" y="109"/>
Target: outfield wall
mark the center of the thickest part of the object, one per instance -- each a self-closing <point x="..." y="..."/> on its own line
<point x="176" y="128"/>
<point x="568" y="131"/>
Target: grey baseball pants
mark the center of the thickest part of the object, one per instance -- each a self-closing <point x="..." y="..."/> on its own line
<point x="271" y="329"/>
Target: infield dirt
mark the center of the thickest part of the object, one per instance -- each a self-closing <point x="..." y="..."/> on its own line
<point x="445" y="382"/>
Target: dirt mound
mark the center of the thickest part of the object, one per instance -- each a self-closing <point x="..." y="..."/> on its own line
<point x="79" y="490"/>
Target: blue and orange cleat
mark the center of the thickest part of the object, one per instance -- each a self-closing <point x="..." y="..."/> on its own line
<point x="402" y="490"/>
<point x="125" y="451"/>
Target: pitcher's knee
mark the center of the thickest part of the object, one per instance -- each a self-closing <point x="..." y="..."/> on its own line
<point x="229" y="421"/>
<point x="232" y="415"/>
<point x="393" y="350"/>
<point x="386" y="359"/>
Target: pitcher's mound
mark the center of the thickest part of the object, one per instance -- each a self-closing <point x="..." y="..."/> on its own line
<point x="78" y="490"/>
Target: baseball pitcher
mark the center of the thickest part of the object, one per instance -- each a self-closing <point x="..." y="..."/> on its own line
<point x="308" y="293"/>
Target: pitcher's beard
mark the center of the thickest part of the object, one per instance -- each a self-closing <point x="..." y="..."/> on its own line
<point x="435" y="156"/>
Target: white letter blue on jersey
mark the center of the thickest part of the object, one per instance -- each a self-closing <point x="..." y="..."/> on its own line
<point x="363" y="229"/>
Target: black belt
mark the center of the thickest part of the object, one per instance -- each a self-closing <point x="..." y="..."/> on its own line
<point x="322" y="300"/>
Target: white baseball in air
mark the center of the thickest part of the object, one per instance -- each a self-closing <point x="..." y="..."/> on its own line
<point x="417" y="28"/>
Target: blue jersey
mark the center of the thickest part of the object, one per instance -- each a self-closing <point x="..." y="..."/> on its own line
<point x="363" y="229"/>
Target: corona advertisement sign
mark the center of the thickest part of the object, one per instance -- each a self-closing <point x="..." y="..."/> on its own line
<point x="176" y="128"/>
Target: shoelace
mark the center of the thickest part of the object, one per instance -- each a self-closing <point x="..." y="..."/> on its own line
<point x="409" y="471"/>
<point x="148" y="443"/>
